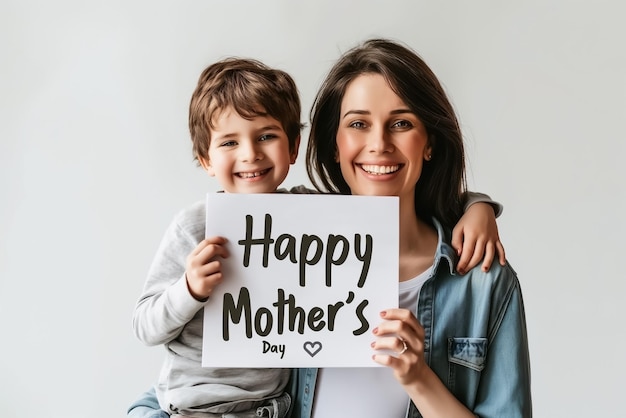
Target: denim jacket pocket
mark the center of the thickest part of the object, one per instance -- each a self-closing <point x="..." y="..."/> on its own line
<point x="468" y="352"/>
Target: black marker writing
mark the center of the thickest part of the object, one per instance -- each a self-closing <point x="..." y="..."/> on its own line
<point x="262" y="321"/>
<point x="312" y="247"/>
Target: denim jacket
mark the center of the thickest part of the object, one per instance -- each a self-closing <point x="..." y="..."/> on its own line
<point x="475" y="339"/>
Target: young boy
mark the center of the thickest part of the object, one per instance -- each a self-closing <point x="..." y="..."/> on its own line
<point x="245" y="127"/>
<point x="244" y="119"/>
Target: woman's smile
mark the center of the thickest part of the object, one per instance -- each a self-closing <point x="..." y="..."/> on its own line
<point x="380" y="169"/>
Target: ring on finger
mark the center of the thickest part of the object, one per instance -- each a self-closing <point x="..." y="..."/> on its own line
<point x="404" y="346"/>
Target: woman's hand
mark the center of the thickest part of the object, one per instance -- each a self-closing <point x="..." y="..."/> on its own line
<point x="401" y="333"/>
<point x="202" y="270"/>
<point x="476" y="236"/>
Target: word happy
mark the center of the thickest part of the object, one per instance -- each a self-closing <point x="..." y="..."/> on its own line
<point x="309" y="251"/>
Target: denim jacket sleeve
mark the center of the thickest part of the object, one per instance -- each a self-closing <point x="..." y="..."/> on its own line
<point x="504" y="390"/>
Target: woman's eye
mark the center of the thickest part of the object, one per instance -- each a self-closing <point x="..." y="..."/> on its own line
<point x="357" y="124"/>
<point x="402" y="124"/>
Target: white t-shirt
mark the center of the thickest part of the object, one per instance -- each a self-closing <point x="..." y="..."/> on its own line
<point x="366" y="391"/>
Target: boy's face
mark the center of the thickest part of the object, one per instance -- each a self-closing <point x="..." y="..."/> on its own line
<point x="248" y="156"/>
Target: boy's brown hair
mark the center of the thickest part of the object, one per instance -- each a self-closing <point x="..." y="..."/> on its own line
<point x="252" y="89"/>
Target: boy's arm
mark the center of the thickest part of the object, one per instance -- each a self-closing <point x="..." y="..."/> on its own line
<point x="475" y="237"/>
<point x="476" y="197"/>
<point x="166" y="305"/>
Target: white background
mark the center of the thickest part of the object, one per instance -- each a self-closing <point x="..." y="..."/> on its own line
<point x="95" y="159"/>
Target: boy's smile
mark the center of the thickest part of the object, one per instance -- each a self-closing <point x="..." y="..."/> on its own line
<point x="253" y="175"/>
<point x="248" y="155"/>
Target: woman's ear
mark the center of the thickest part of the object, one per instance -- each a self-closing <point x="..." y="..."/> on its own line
<point x="428" y="150"/>
<point x="206" y="165"/>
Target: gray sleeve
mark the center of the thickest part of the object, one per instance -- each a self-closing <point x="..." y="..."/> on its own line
<point x="166" y="305"/>
<point x="476" y="197"/>
<point x="302" y="189"/>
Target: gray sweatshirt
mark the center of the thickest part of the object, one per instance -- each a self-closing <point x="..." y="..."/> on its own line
<point x="168" y="314"/>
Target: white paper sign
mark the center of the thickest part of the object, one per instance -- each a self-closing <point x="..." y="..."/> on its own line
<point x="305" y="282"/>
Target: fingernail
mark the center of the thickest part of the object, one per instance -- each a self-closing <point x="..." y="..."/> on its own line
<point x="383" y="313"/>
<point x="373" y="344"/>
<point x="375" y="330"/>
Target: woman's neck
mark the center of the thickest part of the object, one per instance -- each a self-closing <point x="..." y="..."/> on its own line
<point x="418" y="243"/>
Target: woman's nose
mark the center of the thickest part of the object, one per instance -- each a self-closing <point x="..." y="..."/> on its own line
<point x="379" y="141"/>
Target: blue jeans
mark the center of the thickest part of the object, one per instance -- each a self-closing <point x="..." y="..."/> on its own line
<point x="147" y="406"/>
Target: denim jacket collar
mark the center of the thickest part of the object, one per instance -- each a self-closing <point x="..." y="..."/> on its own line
<point x="444" y="251"/>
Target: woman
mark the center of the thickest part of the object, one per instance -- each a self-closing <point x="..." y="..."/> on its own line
<point x="382" y="125"/>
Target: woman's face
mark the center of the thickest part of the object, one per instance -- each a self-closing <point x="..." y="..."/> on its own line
<point x="381" y="143"/>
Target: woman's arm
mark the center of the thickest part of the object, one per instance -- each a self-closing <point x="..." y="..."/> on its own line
<point x="504" y="389"/>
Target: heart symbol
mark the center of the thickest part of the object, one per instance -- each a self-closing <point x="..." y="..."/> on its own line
<point x="312" y="347"/>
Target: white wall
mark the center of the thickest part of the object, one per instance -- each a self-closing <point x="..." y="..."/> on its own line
<point x="95" y="159"/>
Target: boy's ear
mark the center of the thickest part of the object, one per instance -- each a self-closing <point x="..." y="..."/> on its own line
<point x="294" y="153"/>
<point x="206" y="165"/>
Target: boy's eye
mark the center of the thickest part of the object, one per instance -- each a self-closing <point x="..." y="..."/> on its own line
<point x="267" y="137"/>
<point x="228" y="144"/>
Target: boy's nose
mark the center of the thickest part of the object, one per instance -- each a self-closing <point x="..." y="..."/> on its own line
<point x="250" y="153"/>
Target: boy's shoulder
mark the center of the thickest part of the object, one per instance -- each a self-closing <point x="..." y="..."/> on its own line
<point x="300" y="189"/>
<point x="193" y="217"/>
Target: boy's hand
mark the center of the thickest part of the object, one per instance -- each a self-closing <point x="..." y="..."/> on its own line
<point x="475" y="236"/>
<point x="202" y="270"/>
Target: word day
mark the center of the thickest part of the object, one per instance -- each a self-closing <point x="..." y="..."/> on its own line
<point x="273" y="348"/>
